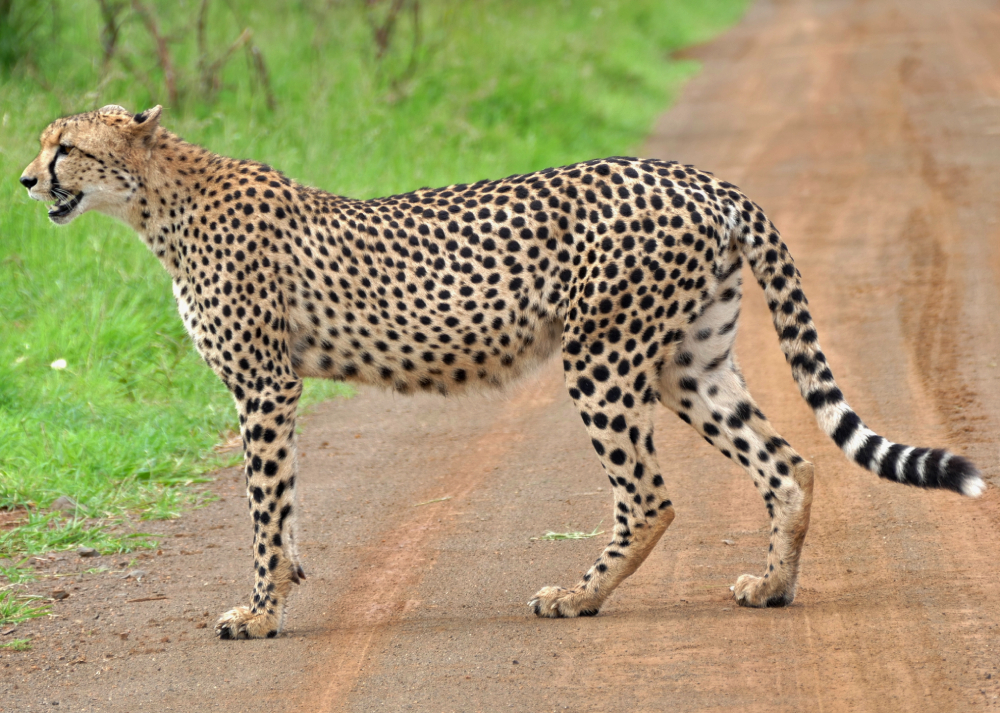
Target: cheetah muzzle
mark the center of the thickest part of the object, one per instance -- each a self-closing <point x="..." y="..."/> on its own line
<point x="64" y="206"/>
<point x="629" y="268"/>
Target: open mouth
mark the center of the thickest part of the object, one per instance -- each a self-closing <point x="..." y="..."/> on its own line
<point x="65" y="205"/>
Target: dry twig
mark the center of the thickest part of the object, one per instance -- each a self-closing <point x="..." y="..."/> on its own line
<point x="162" y="49"/>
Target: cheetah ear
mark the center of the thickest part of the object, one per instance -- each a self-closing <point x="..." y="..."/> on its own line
<point x="145" y="122"/>
<point x="113" y="109"/>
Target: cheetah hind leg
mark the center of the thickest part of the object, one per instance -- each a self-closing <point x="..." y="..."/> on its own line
<point x="788" y="533"/>
<point x="718" y="405"/>
<point x="586" y="598"/>
<point x="621" y="430"/>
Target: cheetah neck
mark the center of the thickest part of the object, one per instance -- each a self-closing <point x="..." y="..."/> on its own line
<point x="182" y="181"/>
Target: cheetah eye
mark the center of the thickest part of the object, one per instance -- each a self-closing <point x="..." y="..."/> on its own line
<point x="63" y="150"/>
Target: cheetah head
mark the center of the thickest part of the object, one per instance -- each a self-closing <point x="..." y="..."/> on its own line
<point x="92" y="161"/>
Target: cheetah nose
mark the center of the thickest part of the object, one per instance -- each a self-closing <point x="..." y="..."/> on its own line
<point x="28" y="181"/>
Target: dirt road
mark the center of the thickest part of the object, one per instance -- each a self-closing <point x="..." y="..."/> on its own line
<point x="870" y="132"/>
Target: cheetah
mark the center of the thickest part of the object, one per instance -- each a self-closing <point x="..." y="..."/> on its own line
<point x="630" y="268"/>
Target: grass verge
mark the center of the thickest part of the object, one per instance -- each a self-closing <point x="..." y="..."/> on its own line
<point x="102" y="398"/>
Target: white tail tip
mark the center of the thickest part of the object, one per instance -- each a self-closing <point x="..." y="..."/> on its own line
<point x="973" y="487"/>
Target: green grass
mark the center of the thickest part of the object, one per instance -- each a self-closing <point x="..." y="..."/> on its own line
<point x="17" y="645"/>
<point x="498" y="87"/>
<point x="48" y="531"/>
<point x="17" y="572"/>
<point x="551" y="536"/>
<point x="15" y="608"/>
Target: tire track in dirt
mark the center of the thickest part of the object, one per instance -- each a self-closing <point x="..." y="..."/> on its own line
<point x="377" y="596"/>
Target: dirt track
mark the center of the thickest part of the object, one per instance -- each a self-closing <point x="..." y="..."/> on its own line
<point x="870" y="132"/>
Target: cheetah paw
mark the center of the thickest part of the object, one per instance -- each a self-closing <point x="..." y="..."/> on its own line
<point x="241" y="623"/>
<point x="556" y="602"/>
<point x="751" y="591"/>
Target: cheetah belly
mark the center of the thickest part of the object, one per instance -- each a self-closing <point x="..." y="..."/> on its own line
<point x="449" y="362"/>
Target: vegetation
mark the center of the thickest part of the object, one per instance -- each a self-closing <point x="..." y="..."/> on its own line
<point x="17" y="645"/>
<point x="551" y="536"/>
<point x="15" y="608"/>
<point x="102" y="398"/>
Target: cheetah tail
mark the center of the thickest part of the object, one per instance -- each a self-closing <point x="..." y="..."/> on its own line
<point x="781" y="281"/>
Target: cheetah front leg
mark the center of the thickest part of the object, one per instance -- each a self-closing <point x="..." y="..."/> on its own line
<point x="267" y="423"/>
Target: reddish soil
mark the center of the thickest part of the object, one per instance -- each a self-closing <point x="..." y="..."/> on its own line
<point x="870" y="132"/>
